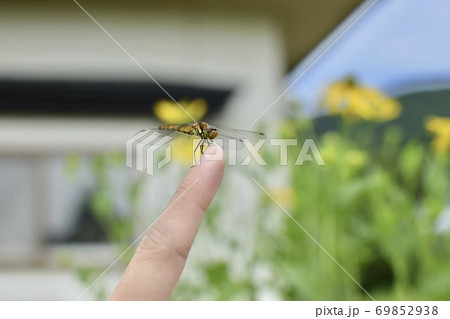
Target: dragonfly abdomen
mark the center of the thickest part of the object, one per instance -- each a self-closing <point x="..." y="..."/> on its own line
<point x="186" y="129"/>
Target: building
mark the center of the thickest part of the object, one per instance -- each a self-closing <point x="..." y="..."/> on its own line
<point x="66" y="86"/>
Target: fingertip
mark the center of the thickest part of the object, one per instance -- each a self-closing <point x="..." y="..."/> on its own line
<point x="211" y="167"/>
<point x="214" y="154"/>
<point x="210" y="170"/>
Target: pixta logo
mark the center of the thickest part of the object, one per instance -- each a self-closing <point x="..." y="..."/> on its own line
<point x="150" y="150"/>
<point x="144" y="147"/>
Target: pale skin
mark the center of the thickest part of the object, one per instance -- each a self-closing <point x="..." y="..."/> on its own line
<point x="160" y="257"/>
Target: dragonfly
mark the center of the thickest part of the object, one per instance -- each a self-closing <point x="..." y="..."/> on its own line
<point x="205" y="132"/>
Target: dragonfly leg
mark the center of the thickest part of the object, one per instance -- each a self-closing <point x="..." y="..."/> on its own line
<point x="195" y="150"/>
<point x="201" y="146"/>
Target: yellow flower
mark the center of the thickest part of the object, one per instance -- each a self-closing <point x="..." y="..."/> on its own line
<point x="170" y="112"/>
<point x="354" y="102"/>
<point x="440" y="128"/>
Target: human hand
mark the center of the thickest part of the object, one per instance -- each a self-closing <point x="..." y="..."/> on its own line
<point x="160" y="257"/>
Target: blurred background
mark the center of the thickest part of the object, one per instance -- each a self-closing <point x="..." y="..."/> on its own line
<point x="371" y="88"/>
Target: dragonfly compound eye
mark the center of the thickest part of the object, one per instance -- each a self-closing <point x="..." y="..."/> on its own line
<point x="213" y="134"/>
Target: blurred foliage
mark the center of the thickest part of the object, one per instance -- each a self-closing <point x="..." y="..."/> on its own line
<point x="87" y="275"/>
<point x="118" y="229"/>
<point x="374" y="214"/>
<point x="373" y="207"/>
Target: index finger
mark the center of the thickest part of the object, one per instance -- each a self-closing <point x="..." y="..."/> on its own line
<point x="159" y="260"/>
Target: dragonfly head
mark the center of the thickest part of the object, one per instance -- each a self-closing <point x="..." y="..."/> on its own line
<point x="209" y="131"/>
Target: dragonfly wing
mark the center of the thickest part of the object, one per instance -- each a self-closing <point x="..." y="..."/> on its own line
<point x="230" y="133"/>
<point x="156" y="137"/>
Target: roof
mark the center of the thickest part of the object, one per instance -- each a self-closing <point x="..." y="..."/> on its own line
<point x="303" y="24"/>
